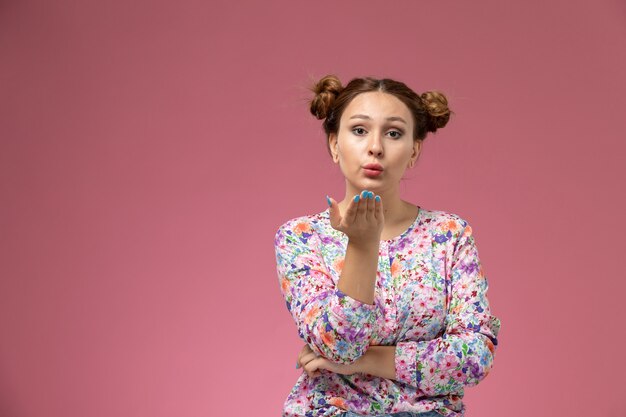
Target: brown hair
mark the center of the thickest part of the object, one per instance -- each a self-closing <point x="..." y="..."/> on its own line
<point x="430" y="109"/>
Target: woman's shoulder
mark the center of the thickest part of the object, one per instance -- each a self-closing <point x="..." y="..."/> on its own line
<point x="442" y="216"/>
<point x="304" y="225"/>
<point x="445" y="224"/>
<point x="304" y="221"/>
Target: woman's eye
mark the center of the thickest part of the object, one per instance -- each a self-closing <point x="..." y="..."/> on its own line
<point x="358" y="130"/>
<point x="395" y="134"/>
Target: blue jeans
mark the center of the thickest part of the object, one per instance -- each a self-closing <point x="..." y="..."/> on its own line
<point x="400" y="414"/>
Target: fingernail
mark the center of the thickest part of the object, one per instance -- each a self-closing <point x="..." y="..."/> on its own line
<point x="377" y="198"/>
<point x="328" y="199"/>
<point x="370" y="195"/>
<point x="297" y="365"/>
<point x="356" y="198"/>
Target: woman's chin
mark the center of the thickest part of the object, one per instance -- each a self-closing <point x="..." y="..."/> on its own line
<point x="376" y="186"/>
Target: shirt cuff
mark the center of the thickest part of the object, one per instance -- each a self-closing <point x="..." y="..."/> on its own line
<point x="406" y="363"/>
<point x="350" y="304"/>
<point x="355" y="315"/>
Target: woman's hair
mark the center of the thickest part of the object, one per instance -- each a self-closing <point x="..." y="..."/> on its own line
<point x="430" y="109"/>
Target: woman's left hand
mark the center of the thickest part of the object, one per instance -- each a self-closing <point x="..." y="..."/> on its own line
<point x="311" y="363"/>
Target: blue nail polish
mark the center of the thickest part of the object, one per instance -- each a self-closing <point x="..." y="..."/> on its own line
<point x="377" y="198"/>
<point x="370" y="195"/>
<point x="328" y="199"/>
<point x="356" y="198"/>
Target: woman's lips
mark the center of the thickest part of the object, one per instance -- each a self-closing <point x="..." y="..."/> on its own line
<point x="372" y="170"/>
<point x="372" y="173"/>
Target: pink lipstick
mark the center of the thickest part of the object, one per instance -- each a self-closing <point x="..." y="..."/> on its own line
<point x="373" y="170"/>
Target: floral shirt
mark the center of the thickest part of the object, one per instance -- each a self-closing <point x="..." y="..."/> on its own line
<point x="430" y="304"/>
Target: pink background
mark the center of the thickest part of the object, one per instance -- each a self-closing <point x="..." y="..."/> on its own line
<point x="150" y="150"/>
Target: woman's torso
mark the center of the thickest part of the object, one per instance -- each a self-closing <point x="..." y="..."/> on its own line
<point x="412" y="294"/>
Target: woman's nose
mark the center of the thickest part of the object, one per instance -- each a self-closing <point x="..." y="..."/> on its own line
<point x="375" y="145"/>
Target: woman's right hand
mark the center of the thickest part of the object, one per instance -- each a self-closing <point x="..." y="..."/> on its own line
<point x="311" y="363"/>
<point x="362" y="221"/>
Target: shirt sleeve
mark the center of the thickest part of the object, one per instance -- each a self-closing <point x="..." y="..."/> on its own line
<point x="464" y="354"/>
<point x="336" y="326"/>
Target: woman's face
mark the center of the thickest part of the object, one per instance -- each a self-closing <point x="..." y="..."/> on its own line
<point x="374" y="144"/>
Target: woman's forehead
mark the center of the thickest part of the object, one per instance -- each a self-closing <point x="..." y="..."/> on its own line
<point x="376" y="105"/>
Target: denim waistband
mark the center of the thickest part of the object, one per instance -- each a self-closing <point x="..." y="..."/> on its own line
<point x="399" y="414"/>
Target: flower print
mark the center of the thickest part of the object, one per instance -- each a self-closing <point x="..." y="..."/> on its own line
<point x="442" y="378"/>
<point x="342" y="347"/>
<point x="312" y="314"/>
<point x="302" y="227"/>
<point x="328" y="338"/>
<point x="458" y="375"/>
<point x="429" y="370"/>
<point x="429" y="390"/>
<point x="441" y="251"/>
<point x="431" y="301"/>
<point x="469" y="268"/>
<point x="451" y="225"/>
<point x="339" y="402"/>
<point x="410" y="263"/>
<point x="490" y="345"/>
<point x="284" y="284"/>
<point x="338" y="265"/>
<point x="401" y="244"/>
<point x="477" y="371"/>
<point x="467" y="231"/>
<point x="359" y="402"/>
<point x="395" y="268"/>
<point x="449" y="362"/>
<point x="456" y="345"/>
<point x="443" y="237"/>
<point x="485" y="360"/>
<point x="463" y="291"/>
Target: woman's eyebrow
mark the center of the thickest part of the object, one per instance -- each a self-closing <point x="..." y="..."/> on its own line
<point x="392" y="118"/>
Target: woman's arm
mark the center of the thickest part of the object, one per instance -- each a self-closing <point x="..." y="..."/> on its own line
<point x="336" y="325"/>
<point x="363" y="223"/>
<point x="377" y="360"/>
<point x="358" y="276"/>
<point x="464" y="354"/>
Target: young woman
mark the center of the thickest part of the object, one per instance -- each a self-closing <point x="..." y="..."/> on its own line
<point x="389" y="297"/>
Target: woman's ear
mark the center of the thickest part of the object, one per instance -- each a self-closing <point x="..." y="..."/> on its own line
<point x="417" y="146"/>
<point x="332" y="143"/>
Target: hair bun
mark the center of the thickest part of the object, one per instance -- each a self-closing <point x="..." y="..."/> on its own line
<point x="326" y="90"/>
<point x="436" y="104"/>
